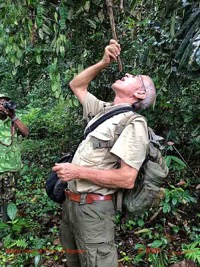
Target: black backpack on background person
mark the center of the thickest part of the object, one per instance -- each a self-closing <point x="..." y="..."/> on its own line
<point x="147" y="192"/>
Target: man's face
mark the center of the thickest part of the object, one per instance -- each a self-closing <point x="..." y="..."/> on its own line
<point x="129" y="84"/>
<point x="3" y="111"/>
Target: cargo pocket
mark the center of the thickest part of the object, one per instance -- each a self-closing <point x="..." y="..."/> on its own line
<point x="106" y="255"/>
<point x="90" y="225"/>
<point x="96" y="148"/>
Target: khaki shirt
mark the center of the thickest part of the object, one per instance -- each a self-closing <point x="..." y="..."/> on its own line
<point x="130" y="146"/>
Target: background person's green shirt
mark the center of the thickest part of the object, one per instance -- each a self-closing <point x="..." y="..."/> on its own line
<point x="10" y="156"/>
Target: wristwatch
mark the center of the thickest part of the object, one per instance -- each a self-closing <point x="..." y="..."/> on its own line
<point x="14" y="119"/>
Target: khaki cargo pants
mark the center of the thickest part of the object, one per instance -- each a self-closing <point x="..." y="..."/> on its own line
<point x="7" y="192"/>
<point x="87" y="234"/>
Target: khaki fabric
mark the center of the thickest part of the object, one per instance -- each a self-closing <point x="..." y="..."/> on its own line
<point x="130" y="145"/>
<point x="87" y="234"/>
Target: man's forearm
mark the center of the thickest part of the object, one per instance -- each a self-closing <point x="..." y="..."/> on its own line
<point x="24" y="131"/>
<point x="82" y="80"/>
<point x="114" y="178"/>
<point x="124" y="177"/>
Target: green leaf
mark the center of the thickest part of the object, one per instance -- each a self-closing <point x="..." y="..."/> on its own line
<point x="168" y="160"/>
<point x="62" y="49"/>
<point x="196" y="131"/>
<point x="57" y="94"/>
<point x="174" y="201"/>
<point x="21" y="243"/>
<point x="166" y="207"/>
<point x="2" y="5"/>
<point x="37" y="260"/>
<point x="12" y="210"/>
<point x="41" y="34"/>
<point x="54" y="87"/>
<point x="92" y="23"/>
<point x="38" y="59"/>
<point x="87" y="6"/>
<point x="156" y="244"/>
<point x="19" y="53"/>
<point x="3" y="225"/>
<point x="14" y="71"/>
<point x="172" y="27"/>
<point x="56" y="16"/>
<point x="75" y="102"/>
<point x="17" y="62"/>
<point x="140" y="222"/>
<point x="176" y="229"/>
<point x="180" y="162"/>
<point x="145" y="230"/>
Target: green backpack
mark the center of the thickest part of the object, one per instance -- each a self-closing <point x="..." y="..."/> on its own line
<point x="147" y="192"/>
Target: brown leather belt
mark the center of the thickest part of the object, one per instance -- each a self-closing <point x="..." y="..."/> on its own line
<point x="89" y="197"/>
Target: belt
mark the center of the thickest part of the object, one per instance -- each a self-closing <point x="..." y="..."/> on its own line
<point x="89" y="198"/>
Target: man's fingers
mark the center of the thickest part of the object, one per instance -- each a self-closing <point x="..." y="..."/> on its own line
<point x="115" y="48"/>
<point x="112" y="51"/>
<point x="110" y="54"/>
<point x="57" y="167"/>
<point x="114" y="42"/>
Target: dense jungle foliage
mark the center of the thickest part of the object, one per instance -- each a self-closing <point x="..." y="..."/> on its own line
<point x="43" y="45"/>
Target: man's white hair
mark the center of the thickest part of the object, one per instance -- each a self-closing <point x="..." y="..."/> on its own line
<point x="150" y="92"/>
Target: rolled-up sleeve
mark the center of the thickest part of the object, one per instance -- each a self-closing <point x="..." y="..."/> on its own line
<point x="132" y="144"/>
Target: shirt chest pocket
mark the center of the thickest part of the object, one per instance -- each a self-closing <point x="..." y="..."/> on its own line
<point x="96" y="147"/>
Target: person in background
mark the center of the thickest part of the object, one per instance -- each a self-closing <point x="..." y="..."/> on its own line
<point x="102" y="165"/>
<point x="10" y="157"/>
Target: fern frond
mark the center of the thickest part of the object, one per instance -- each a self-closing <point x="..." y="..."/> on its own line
<point x="21" y="243"/>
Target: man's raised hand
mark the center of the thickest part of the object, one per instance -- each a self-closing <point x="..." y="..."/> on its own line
<point x="112" y="51"/>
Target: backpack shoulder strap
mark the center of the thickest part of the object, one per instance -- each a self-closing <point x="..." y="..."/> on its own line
<point x="105" y="117"/>
<point x="126" y="121"/>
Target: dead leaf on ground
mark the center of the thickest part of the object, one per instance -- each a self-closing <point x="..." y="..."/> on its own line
<point x="198" y="186"/>
<point x="185" y="263"/>
<point x="181" y="182"/>
<point x="170" y="143"/>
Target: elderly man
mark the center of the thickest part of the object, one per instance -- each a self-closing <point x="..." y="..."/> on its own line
<point x="10" y="158"/>
<point x="96" y="173"/>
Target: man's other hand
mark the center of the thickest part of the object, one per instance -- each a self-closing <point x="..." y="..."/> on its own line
<point x="66" y="171"/>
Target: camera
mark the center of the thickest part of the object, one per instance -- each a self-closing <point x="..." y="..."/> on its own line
<point x="9" y="105"/>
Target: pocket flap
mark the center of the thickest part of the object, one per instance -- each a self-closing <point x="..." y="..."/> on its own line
<point x="100" y="136"/>
<point x="100" y="140"/>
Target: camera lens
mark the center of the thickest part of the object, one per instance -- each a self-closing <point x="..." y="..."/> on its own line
<point x="9" y="105"/>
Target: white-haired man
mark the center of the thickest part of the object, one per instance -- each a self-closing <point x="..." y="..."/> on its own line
<point x="98" y="171"/>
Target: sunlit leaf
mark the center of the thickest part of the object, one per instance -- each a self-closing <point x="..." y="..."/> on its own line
<point x="12" y="210"/>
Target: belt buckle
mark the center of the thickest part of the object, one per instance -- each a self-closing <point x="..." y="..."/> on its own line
<point x="83" y="197"/>
<point x="67" y="193"/>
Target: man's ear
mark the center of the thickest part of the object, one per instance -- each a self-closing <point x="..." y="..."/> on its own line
<point x="140" y="94"/>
